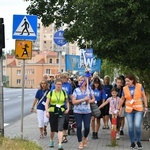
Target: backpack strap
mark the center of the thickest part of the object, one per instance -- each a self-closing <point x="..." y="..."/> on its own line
<point x="51" y="92"/>
<point x="64" y="93"/>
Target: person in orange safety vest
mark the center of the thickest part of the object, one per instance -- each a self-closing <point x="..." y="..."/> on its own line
<point x="134" y="97"/>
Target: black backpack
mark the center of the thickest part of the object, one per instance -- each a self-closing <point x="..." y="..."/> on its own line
<point x="51" y="92"/>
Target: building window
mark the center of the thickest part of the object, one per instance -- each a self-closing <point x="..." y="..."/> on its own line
<point x="18" y="81"/>
<point x="44" y="36"/>
<point x="18" y="72"/>
<point x="32" y="71"/>
<point x="19" y="63"/>
<point x="50" y="61"/>
<point x="57" y="61"/>
<point x="44" y="42"/>
<point x="48" y="71"/>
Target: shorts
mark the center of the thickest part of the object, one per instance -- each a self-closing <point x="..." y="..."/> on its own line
<point x="42" y="119"/>
<point x="66" y="121"/>
<point x="106" y="110"/>
<point x="122" y="112"/>
<point x="56" y="122"/>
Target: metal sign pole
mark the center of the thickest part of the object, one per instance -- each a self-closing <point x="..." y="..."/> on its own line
<point x="22" y="104"/>
<point x="60" y="60"/>
<point x="1" y="99"/>
<point x="2" y="45"/>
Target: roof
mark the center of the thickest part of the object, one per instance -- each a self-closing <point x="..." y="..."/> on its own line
<point x="13" y="63"/>
<point x="41" y="61"/>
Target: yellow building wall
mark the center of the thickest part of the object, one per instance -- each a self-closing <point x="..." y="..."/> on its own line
<point x="34" y="70"/>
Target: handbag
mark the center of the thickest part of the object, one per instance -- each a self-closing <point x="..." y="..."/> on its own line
<point x="95" y="110"/>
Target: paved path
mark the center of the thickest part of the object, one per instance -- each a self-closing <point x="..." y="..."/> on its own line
<point x="31" y="132"/>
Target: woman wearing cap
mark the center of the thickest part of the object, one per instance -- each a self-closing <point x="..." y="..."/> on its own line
<point x="100" y="97"/>
<point x="81" y="99"/>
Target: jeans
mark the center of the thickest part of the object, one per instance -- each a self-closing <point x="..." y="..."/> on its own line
<point x="86" y="118"/>
<point x="134" y="120"/>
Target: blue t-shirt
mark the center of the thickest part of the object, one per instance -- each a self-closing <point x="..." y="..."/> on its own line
<point x="107" y="89"/>
<point x="132" y="89"/>
<point x="39" y="95"/>
<point x="66" y="86"/>
<point x="52" y="87"/>
<point x="82" y="108"/>
<point x="99" y="94"/>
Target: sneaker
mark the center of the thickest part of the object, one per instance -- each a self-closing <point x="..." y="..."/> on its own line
<point x="121" y="132"/>
<point x="117" y="136"/>
<point x="93" y="135"/>
<point x="139" y="146"/>
<point x="133" y="146"/>
<point x="60" y="147"/>
<point x="51" y="144"/>
<point x="104" y="127"/>
<point x="107" y="127"/>
<point x="96" y="135"/>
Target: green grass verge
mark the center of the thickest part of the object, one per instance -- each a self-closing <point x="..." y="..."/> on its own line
<point x="18" y="144"/>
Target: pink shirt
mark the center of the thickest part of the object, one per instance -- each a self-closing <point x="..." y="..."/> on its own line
<point x="113" y="104"/>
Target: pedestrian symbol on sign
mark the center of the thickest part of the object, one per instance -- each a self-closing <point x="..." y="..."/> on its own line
<point x="25" y="52"/>
<point x="26" y="26"/>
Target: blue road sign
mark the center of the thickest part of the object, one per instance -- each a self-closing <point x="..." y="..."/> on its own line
<point x="24" y="27"/>
<point x="59" y="38"/>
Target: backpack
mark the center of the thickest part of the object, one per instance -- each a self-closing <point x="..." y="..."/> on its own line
<point x="51" y="92"/>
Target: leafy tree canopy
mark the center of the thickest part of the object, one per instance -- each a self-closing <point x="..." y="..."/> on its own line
<point x="119" y="30"/>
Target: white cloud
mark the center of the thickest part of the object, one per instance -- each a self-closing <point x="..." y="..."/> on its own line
<point x="8" y="8"/>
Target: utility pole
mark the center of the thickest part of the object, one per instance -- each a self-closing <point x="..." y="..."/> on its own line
<point x="2" y="45"/>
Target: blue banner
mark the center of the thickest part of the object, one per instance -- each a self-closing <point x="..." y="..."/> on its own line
<point x="75" y="63"/>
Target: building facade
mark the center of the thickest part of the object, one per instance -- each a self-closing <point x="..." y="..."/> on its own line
<point x="41" y="63"/>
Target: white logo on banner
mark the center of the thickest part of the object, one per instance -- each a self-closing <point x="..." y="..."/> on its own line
<point x="85" y="61"/>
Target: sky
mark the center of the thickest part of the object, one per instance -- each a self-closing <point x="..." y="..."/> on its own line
<point x="8" y="8"/>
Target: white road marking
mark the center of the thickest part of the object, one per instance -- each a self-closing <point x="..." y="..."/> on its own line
<point x="6" y="99"/>
<point x="6" y="124"/>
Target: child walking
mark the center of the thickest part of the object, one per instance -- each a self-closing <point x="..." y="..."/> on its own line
<point x="113" y="107"/>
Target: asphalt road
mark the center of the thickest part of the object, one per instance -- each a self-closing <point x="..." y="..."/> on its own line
<point x="13" y="103"/>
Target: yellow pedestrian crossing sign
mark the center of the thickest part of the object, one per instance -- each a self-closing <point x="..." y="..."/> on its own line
<point x="23" y="49"/>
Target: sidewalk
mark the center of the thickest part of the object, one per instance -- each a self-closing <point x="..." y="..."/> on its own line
<point x="31" y="132"/>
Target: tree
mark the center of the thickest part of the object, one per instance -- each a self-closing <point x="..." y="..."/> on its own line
<point x="118" y="29"/>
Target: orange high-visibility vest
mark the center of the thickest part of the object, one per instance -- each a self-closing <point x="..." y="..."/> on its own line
<point x="134" y="102"/>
